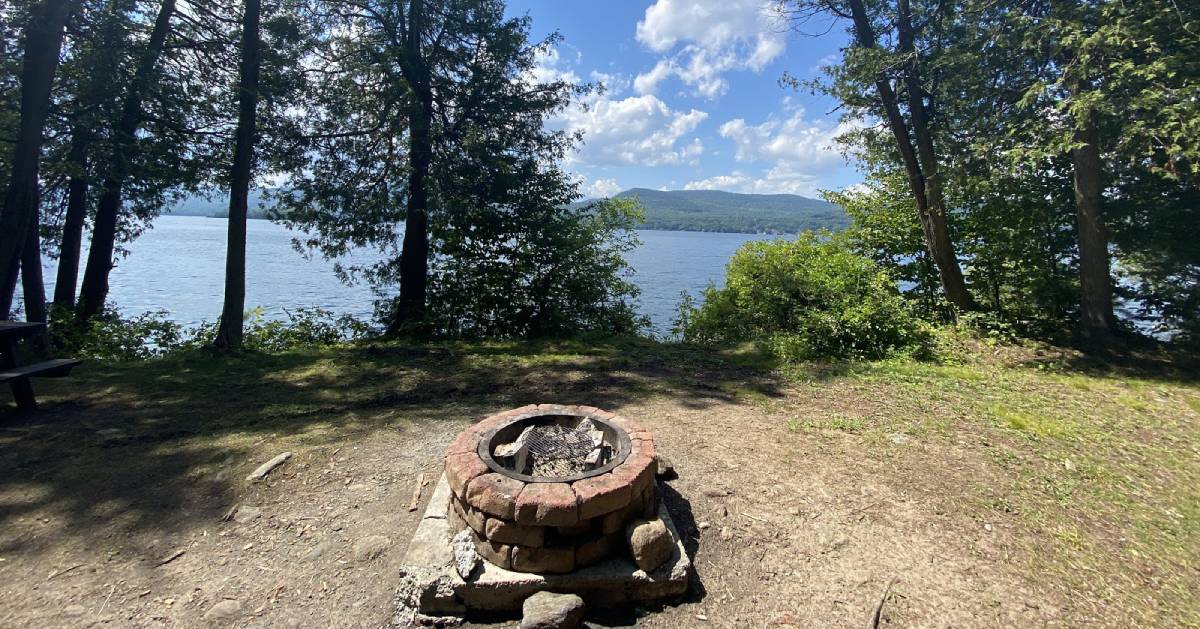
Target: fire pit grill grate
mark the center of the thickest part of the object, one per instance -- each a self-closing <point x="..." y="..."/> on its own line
<point x="554" y="448"/>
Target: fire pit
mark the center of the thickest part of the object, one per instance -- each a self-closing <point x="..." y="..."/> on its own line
<point x="549" y="489"/>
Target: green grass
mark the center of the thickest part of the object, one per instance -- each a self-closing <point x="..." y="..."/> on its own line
<point x="1096" y="466"/>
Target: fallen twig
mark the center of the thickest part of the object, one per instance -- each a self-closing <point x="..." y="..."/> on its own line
<point x="58" y="573"/>
<point x="172" y="557"/>
<point x="752" y="517"/>
<point x="416" y="495"/>
<point x="873" y="623"/>
<point x="266" y="468"/>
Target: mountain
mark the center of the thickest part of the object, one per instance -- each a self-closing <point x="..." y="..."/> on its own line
<point x="681" y="210"/>
<point x="218" y="205"/>
<point x="717" y="211"/>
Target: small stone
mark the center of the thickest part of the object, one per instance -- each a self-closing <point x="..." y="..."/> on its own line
<point x="665" y="469"/>
<point x="726" y="534"/>
<point x="225" y="610"/>
<point x="556" y="560"/>
<point x="246" y="513"/>
<point x="465" y="557"/>
<point x="315" y="552"/>
<point x="987" y="527"/>
<point x="650" y="543"/>
<point x="371" y="547"/>
<point x="722" y="510"/>
<point x="73" y="611"/>
<point x="703" y="525"/>
<point x="547" y="610"/>
<point x="714" y="492"/>
<point x="900" y="439"/>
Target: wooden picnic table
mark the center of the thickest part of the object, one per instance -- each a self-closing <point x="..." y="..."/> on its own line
<point x="18" y="376"/>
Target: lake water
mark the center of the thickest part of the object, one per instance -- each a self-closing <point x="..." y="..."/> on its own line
<point x="179" y="267"/>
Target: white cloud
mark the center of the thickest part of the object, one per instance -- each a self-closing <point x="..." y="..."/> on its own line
<point x="798" y="152"/>
<point x="778" y="180"/>
<point x="546" y="68"/>
<point x="796" y="141"/>
<point x="638" y="130"/>
<point x="712" y="36"/>
<point x="601" y="188"/>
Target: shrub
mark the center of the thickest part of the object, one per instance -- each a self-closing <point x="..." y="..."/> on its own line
<point x="111" y="337"/>
<point x="805" y="299"/>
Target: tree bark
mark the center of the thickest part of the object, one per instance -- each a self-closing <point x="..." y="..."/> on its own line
<point x="32" y="282"/>
<point x="43" y="44"/>
<point x="104" y="229"/>
<point x="414" y="253"/>
<point x="229" y="334"/>
<point x="922" y="171"/>
<point x="1095" y="280"/>
<point x="72" y="237"/>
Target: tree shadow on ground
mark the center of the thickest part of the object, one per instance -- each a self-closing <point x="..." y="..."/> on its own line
<point x="1126" y="357"/>
<point x="118" y="451"/>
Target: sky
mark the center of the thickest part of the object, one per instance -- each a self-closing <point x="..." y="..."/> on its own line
<point x="692" y="98"/>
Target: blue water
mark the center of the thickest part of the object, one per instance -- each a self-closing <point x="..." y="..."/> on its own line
<point x="178" y="267"/>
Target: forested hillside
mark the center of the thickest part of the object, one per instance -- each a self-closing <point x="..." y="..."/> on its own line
<point x="683" y="210"/>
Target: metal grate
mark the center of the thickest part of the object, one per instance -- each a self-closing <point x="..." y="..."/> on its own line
<point x="555" y="450"/>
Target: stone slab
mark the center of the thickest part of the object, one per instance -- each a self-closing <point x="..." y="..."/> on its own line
<point x="609" y="583"/>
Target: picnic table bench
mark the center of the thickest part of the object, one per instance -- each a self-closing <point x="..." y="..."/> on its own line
<point x="18" y="376"/>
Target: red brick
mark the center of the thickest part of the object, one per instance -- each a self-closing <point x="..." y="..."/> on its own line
<point x="547" y="504"/>
<point x="526" y="559"/>
<point x="644" y="447"/>
<point x="601" y="494"/>
<point x="499" y="554"/>
<point x="615" y="522"/>
<point x="512" y="533"/>
<point x="649" y="501"/>
<point x="495" y="494"/>
<point x="465" y="443"/>
<point x="637" y="471"/>
<point x="468" y="517"/>
<point x="461" y="469"/>
<point x="585" y="527"/>
<point x="598" y="549"/>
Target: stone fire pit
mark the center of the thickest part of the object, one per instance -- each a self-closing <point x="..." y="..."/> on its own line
<point x="553" y="499"/>
<point x="551" y="488"/>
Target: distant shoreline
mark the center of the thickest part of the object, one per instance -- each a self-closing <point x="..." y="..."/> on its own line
<point x="639" y="228"/>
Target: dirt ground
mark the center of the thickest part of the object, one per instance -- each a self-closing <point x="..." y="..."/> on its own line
<point x="123" y="501"/>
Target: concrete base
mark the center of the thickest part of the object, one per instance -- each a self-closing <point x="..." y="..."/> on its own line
<point x="433" y="587"/>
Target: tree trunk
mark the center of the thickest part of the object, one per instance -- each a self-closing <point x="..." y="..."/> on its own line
<point x="414" y="254"/>
<point x="229" y="335"/>
<point x="72" y="237"/>
<point x="43" y="44"/>
<point x="1095" y="280"/>
<point x="923" y="178"/>
<point x="104" y="229"/>
<point x="31" y="274"/>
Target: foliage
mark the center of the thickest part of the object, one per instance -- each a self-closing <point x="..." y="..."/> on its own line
<point x="804" y="299"/>
<point x="717" y="211"/>
<point x="509" y="253"/>
<point x="114" y="338"/>
<point x="541" y="270"/>
<point x="1008" y="85"/>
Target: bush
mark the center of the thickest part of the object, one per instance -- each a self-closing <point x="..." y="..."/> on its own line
<point x="111" y="337"/>
<point x="805" y="299"/>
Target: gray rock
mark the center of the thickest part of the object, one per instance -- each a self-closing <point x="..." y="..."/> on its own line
<point x="371" y="547"/>
<point x="246" y="513"/>
<point x="465" y="557"/>
<point x="665" y="470"/>
<point x="650" y="543"/>
<point x="547" y="610"/>
<point x="316" y="552"/>
<point x="225" y="610"/>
